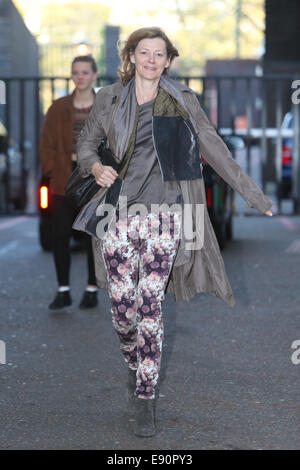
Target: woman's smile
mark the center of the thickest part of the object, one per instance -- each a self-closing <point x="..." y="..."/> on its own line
<point x="150" y="58"/>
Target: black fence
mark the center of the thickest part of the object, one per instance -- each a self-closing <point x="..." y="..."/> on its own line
<point x="262" y="110"/>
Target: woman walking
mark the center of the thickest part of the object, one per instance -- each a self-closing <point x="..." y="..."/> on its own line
<point x="157" y="130"/>
<point x="63" y="123"/>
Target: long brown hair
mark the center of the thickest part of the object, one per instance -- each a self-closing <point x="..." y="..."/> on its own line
<point x="127" y="69"/>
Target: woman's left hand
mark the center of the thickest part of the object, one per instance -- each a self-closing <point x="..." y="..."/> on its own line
<point x="268" y="213"/>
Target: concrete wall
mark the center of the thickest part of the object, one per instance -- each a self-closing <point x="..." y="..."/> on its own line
<point x="18" y="48"/>
<point x="282" y="31"/>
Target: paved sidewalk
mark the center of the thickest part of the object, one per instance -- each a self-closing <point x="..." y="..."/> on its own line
<point x="228" y="381"/>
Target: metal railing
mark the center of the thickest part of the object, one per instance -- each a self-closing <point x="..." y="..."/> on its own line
<point x="252" y="107"/>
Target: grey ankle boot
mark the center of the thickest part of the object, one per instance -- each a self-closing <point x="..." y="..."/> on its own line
<point x="144" y="425"/>
<point x="131" y="397"/>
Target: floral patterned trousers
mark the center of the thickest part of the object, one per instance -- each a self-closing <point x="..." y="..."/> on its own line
<point x="139" y="254"/>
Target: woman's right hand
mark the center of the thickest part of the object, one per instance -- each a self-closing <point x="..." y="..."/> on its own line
<point x="104" y="175"/>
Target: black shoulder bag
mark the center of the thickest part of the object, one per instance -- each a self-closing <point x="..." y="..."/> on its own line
<point x="80" y="190"/>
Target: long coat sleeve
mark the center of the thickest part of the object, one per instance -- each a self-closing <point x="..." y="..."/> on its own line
<point x="55" y="147"/>
<point x="217" y="155"/>
<point x="90" y="138"/>
<point x="48" y="143"/>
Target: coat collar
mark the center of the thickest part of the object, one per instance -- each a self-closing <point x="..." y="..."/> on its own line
<point x="173" y="87"/>
<point x="69" y="98"/>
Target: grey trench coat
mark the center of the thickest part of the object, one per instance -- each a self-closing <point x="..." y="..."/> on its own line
<point x="194" y="271"/>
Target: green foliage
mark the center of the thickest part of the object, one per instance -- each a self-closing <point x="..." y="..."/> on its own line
<point x="201" y="29"/>
<point x="207" y="29"/>
<point x="64" y="26"/>
<point x="73" y="21"/>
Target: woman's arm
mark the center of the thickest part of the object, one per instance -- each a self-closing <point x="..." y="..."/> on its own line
<point x="87" y="148"/>
<point x="90" y="138"/>
<point x="219" y="158"/>
<point x="47" y="147"/>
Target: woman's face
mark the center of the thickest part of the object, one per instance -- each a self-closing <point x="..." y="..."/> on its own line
<point x="83" y="75"/>
<point x="150" y="58"/>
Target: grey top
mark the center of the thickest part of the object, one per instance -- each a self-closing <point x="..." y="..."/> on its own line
<point x="143" y="182"/>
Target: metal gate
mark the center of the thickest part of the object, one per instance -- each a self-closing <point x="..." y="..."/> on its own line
<point x="261" y="110"/>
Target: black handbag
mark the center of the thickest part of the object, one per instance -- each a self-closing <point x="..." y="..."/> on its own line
<point x="80" y="190"/>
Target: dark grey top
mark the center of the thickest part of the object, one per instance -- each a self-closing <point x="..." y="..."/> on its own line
<point x="143" y="182"/>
